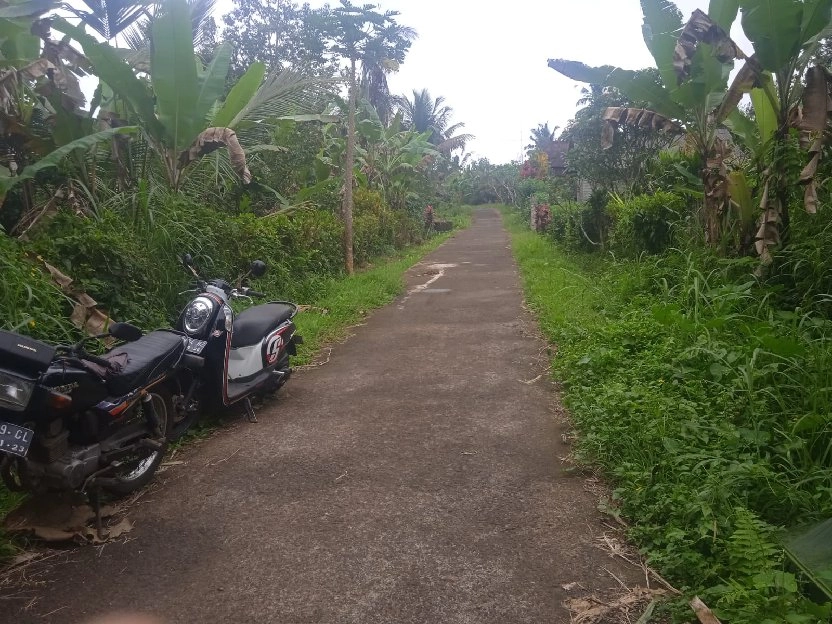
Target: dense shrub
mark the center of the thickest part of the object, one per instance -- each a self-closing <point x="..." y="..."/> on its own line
<point x="111" y="262"/>
<point x="29" y="302"/>
<point x="644" y="223"/>
<point x="131" y="266"/>
<point x="580" y="227"/>
<point x="801" y="275"/>
<point x="708" y="406"/>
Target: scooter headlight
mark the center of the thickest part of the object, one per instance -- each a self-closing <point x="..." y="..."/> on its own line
<point x="197" y="314"/>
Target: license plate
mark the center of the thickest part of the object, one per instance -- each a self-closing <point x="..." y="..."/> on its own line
<point x="15" y="440"/>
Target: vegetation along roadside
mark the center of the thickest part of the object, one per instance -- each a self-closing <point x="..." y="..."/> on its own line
<point x="704" y="405"/>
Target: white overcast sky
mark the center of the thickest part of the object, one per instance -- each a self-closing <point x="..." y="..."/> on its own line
<point x="488" y="58"/>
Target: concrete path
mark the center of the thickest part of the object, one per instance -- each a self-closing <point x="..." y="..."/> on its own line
<point x="413" y="478"/>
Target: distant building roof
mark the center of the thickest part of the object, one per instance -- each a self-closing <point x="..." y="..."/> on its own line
<point x="556" y="151"/>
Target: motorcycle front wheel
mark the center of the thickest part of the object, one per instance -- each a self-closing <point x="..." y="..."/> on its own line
<point x="137" y="471"/>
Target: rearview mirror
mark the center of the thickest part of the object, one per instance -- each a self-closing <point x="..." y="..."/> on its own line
<point x="258" y="268"/>
<point x="188" y="260"/>
<point x="125" y="331"/>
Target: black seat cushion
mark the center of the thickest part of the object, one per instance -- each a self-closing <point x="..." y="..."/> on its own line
<point x="251" y="325"/>
<point x="147" y="358"/>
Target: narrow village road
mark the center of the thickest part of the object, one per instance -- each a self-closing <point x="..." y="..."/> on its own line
<point x="417" y="477"/>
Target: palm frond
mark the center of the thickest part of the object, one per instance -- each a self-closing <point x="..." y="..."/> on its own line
<point x="282" y="94"/>
<point x="454" y="143"/>
<point x="137" y="35"/>
<point x="110" y="17"/>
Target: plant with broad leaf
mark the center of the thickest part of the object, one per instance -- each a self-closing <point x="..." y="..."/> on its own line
<point x="694" y="96"/>
<point x="181" y="114"/>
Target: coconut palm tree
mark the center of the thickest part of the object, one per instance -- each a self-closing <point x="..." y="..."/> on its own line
<point x="379" y="60"/>
<point x="424" y="114"/>
<point x="542" y="138"/>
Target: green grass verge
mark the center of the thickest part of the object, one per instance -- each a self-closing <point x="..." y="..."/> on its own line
<point x="707" y="409"/>
<point x="346" y="300"/>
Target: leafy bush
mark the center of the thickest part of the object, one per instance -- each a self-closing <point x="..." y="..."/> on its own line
<point x="801" y="275"/>
<point x="580" y="227"/>
<point x="108" y="260"/>
<point x="708" y="407"/>
<point x="29" y="302"/>
<point x="644" y="223"/>
<point x="130" y="264"/>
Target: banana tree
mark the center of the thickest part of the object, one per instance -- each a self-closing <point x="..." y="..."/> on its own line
<point x="692" y="96"/>
<point x="693" y="62"/>
<point x="178" y="109"/>
<point x="785" y="35"/>
<point x="682" y="101"/>
<point x="41" y="101"/>
<point x="393" y="159"/>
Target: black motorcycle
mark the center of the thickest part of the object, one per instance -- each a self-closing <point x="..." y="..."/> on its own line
<point x="246" y="353"/>
<point x="72" y="420"/>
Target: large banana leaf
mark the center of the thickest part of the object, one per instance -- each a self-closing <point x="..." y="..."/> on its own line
<point x="811" y="551"/>
<point x="661" y="28"/>
<point x="724" y="12"/>
<point x="816" y="18"/>
<point x="775" y="28"/>
<point x="118" y="75"/>
<point x="241" y="94"/>
<point x="173" y="75"/>
<point x="741" y="198"/>
<point x="746" y="130"/>
<point x="636" y="86"/>
<point x="764" y="113"/>
<point x="18" y="43"/>
<point x="582" y="72"/>
<point x="212" y="81"/>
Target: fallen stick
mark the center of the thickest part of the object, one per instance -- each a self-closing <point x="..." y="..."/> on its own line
<point x="703" y="613"/>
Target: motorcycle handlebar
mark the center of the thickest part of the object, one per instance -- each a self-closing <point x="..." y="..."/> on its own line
<point x="254" y="293"/>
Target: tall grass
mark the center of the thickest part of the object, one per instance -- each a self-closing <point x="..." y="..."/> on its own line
<point x="708" y="406"/>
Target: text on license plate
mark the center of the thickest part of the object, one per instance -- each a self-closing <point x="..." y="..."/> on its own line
<point x="15" y="440"/>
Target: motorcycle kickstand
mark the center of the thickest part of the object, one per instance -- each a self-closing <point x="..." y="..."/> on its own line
<point x="94" y="496"/>
<point x="252" y="417"/>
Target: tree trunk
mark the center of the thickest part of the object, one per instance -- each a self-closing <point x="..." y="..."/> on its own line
<point x="349" y="166"/>
<point x="715" y="183"/>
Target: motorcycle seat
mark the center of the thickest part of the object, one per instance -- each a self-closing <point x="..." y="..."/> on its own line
<point x="146" y="358"/>
<point x="251" y="325"/>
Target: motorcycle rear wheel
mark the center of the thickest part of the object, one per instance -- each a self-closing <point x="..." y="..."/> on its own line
<point x="136" y="474"/>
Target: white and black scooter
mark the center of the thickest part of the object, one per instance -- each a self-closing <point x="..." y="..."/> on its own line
<point x="244" y="354"/>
